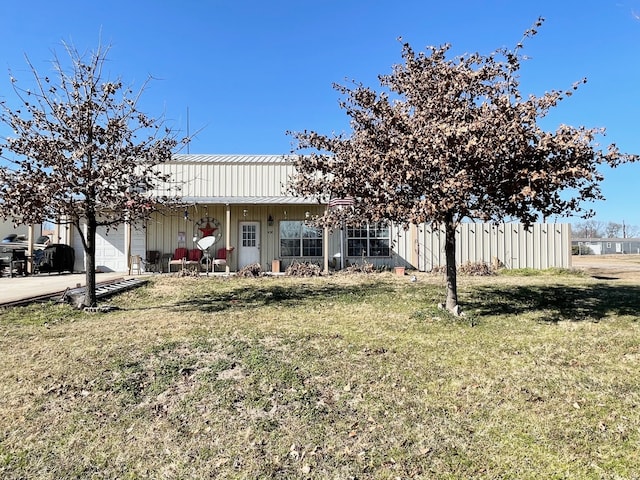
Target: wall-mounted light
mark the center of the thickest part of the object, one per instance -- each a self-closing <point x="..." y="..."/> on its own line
<point x="186" y="214"/>
<point x="307" y="214"/>
<point x="270" y="220"/>
<point x="244" y="212"/>
<point x="285" y="214"/>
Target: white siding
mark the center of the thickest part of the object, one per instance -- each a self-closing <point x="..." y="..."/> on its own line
<point x="110" y="249"/>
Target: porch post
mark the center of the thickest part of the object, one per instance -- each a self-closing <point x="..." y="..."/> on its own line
<point x="62" y="232"/>
<point x="325" y="243"/>
<point x="56" y="232"/>
<point x="127" y="242"/>
<point x="29" y="262"/>
<point x="227" y="233"/>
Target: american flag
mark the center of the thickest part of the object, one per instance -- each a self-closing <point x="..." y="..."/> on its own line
<point x="341" y="202"/>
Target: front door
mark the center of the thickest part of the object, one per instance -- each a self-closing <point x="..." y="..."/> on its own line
<point x="249" y="251"/>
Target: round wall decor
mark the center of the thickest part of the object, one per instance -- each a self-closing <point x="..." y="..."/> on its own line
<point x="208" y="227"/>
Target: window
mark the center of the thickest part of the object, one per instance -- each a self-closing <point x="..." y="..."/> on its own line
<point x="368" y="240"/>
<point x="300" y="240"/>
<point x="249" y="235"/>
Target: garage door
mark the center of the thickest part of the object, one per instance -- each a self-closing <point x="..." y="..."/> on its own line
<point x="110" y="249"/>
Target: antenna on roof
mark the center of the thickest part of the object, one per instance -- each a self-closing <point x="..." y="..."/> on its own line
<point x="188" y="133"/>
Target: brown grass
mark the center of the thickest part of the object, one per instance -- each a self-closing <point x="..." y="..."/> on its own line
<point x="340" y="377"/>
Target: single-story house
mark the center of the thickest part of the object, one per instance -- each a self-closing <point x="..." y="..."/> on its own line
<point x="605" y="246"/>
<point x="239" y="204"/>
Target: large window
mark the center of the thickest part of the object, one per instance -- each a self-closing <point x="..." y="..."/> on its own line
<point x="368" y="240"/>
<point x="300" y="240"/>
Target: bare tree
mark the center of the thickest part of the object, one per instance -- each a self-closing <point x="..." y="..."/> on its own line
<point x="589" y="229"/>
<point x="80" y="152"/>
<point x="631" y="231"/>
<point x="449" y="139"/>
<point x="614" y="229"/>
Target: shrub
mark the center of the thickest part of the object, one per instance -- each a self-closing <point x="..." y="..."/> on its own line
<point x="469" y="268"/>
<point x="303" y="269"/>
<point x="251" y="270"/>
<point x="476" y="269"/>
<point x="581" y="250"/>
<point x="364" y="267"/>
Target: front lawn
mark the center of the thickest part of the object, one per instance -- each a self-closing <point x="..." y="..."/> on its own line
<point x="339" y="377"/>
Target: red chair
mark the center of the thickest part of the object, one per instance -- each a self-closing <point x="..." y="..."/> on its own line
<point x="195" y="255"/>
<point x="180" y="253"/>
<point x="221" y="258"/>
<point x="179" y="257"/>
<point x="192" y="261"/>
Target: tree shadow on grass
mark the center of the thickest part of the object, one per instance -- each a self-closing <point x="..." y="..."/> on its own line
<point x="260" y="296"/>
<point x="556" y="303"/>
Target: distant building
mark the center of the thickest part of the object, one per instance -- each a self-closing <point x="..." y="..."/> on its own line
<point x="605" y="246"/>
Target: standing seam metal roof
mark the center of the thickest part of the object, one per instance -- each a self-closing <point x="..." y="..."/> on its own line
<point x="235" y="159"/>
<point x="251" y="200"/>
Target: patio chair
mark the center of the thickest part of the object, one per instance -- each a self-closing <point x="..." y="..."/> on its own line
<point x="193" y="259"/>
<point x="179" y="257"/>
<point x="135" y="263"/>
<point x="14" y="260"/>
<point x="164" y="263"/>
<point x="220" y="259"/>
<point x="152" y="261"/>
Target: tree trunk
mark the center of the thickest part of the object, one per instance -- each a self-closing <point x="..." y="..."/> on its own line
<point x="90" y="299"/>
<point x="450" y="256"/>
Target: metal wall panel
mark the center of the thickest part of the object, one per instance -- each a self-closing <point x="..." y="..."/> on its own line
<point x="544" y="246"/>
<point x="422" y="247"/>
<point x="228" y="179"/>
<point x="163" y="228"/>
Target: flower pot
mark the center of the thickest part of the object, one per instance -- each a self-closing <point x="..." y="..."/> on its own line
<point x="399" y="270"/>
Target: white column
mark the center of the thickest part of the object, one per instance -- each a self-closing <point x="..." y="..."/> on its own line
<point x="325" y="244"/>
<point x="227" y="233"/>
<point x="127" y="243"/>
<point x="29" y="262"/>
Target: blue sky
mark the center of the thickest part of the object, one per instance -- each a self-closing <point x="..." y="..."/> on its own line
<point x="247" y="70"/>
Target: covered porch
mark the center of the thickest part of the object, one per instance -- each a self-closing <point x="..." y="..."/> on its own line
<point x="241" y="231"/>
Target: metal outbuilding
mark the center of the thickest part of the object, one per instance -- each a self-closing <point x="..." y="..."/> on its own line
<point x="240" y="201"/>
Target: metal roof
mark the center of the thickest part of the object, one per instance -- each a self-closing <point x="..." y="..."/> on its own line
<point x="249" y="200"/>
<point x="605" y="239"/>
<point x="233" y="159"/>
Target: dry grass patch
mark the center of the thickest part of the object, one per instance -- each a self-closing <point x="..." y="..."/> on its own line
<point x="340" y="377"/>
